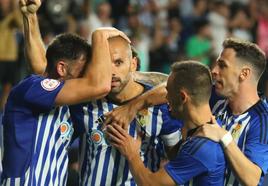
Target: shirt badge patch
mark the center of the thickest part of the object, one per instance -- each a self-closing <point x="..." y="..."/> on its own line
<point x="50" y="84"/>
<point x="66" y="130"/>
<point x="96" y="136"/>
<point x="143" y="117"/>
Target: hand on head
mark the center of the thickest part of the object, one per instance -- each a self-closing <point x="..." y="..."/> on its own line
<point x="111" y="32"/>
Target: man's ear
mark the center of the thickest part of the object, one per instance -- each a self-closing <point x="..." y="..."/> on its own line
<point x="245" y="73"/>
<point x="133" y="64"/>
<point x="183" y="96"/>
<point x="61" y="68"/>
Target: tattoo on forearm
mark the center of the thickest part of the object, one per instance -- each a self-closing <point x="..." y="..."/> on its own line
<point x="152" y="78"/>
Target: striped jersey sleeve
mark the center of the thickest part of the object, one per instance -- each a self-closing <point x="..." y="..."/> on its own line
<point x="171" y="128"/>
<point x="42" y="92"/>
<point x="256" y="145"/>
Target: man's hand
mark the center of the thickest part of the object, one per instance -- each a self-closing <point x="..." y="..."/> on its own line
<point x="111" y="32"/>
<point x="121" y="116"/>
<point x="120" y="139"/>
<point x="211" y="131"/>
<point x="28" y="7"/>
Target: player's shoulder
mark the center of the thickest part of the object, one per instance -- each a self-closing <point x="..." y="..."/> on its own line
<point x="259" y="111"/>
<point x="24" y="84"/>
<point x="203" y="149"/>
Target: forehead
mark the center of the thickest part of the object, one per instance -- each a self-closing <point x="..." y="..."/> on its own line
<point x="228" y="55"/>
<point x="119" y="48"/>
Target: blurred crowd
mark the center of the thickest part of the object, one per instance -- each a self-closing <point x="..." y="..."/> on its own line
<point x="162" y="31"/>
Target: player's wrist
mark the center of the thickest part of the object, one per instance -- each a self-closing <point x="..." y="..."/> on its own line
<point x="132" y="157"/>
<point x="226" y="139"/>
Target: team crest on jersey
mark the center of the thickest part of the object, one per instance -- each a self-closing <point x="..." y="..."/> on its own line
<point x="50" y="84"/>
<point x="142" y="117"/>
<point x="236" y="131"/>
<point x="96" y="136"/>
<point x="66" y="130"/>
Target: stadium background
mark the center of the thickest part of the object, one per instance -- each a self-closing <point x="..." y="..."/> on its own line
<point x="162" y="31"/>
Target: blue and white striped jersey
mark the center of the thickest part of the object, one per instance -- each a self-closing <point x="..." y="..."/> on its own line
<point x="249" y="131"/>
<point x="101" y="164"/>
<point x="36" y="134"/>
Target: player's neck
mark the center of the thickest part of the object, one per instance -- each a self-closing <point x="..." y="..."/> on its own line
<point x="244" y="99"/>
<point x="198" y="116"/>
<point x="130" y="91"/>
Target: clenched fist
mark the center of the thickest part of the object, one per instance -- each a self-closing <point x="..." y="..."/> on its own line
<point x="29" y="6"/>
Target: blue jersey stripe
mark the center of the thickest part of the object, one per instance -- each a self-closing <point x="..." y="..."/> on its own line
<point x="90" y="114"/>
<point x="105" y="166"/>
<point x="195" y="145"/>
<point x="47" y="146"/>
<point x="261" y="123"/>
<point x="96" y="165"/>
<point x="132" y="130"/>
<point x="203" y="141"/>
<point x="91" y="153"/>
<point x="61" y="170"/>
<point x="153" y="134"/>
<point x="39" y="143"/>
<point x="116" y="167"/>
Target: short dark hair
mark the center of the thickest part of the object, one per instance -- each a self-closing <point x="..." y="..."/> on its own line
<point x="135" y="54"/>
<point x="67" y="47"/>
<point x="195" y="78"/>
<point x="249" y="53"/>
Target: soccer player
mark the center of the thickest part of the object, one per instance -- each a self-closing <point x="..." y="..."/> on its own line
<point x="102" y="164"/>
<point x="37" y="125"/>
<point x="199" y="161"/>
<point x="242" y="113"/>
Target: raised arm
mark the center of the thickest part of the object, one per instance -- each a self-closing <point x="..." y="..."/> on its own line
<point x="34" y="48"/>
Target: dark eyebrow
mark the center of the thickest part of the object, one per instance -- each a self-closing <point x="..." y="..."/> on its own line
<point x="222" y="61"/>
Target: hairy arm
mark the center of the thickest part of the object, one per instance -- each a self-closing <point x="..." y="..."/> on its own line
<point x="152" y="78"/>
<point x="34" y="48"/>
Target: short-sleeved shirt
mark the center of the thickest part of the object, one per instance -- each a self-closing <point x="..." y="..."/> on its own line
<point x="200" y="161"/>
<point x="249" y="131"/>
<point x="103" y="164"/>
<point x="36" y="134"/>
